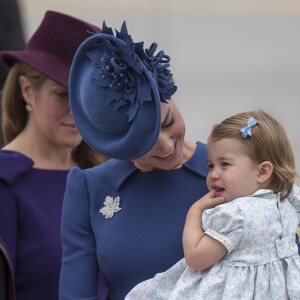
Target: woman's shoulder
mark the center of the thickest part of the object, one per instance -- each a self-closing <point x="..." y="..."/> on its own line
<point x="110" y="166"/>
<point x="114" y="170"/>
<point x="13" y="164"/>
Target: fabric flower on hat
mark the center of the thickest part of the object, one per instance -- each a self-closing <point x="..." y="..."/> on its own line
<point x="159" y="65"/>
<point x="118" y="67"/>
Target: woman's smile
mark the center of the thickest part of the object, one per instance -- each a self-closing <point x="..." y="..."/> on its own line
<point x="169" y="155"/>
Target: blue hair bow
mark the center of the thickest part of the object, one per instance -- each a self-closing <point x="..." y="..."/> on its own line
<point x="246" y="131"/>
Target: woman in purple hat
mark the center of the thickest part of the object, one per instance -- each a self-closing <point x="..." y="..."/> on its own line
<point x="126" y="216"/>
<point x="41" y="145"/>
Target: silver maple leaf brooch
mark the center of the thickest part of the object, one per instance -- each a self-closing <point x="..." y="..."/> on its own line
<point x="110" y="207"/>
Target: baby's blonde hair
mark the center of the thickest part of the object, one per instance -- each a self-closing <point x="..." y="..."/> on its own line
<point x="268" y="142"/>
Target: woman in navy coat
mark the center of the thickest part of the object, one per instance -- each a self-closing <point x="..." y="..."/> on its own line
<point x="124" y="218"/>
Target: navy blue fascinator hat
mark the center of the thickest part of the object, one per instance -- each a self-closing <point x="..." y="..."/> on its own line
<point x="116" y="88"/>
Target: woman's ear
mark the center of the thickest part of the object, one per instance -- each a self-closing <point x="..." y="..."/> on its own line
<point x="26" y="89"/>
<point x="265" y="170"/>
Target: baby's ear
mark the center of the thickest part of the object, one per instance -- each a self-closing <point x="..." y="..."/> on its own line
<point x="265" y="170"/>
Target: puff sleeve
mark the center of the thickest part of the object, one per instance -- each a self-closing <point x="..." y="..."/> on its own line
<point x="224" y="223"/>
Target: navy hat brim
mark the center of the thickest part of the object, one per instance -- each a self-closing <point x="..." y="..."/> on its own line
<point x="138" y="137"/>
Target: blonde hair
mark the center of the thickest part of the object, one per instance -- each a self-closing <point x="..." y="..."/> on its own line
<point x="14" y="114"/>
<point x="268" y="142"/>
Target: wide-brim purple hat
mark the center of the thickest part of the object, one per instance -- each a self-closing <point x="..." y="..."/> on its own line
<point x="116" y="88"/>
<point x="52" y="47"/>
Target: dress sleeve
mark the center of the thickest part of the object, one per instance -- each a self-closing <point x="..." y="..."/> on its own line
<point x="224" y="223"/>
<point x="79" y="272"/>
<point x="8" y="220"/>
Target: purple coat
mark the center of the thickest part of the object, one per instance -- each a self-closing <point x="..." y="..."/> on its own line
<point x="30" y="213"/>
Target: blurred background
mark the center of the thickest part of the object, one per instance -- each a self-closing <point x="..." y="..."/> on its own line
<point x="227" y="56"/>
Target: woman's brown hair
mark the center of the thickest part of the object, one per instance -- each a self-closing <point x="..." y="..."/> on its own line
<point x="14" y="114"/>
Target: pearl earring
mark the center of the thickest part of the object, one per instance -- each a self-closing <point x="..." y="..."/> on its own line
<point x="28" y="107"/>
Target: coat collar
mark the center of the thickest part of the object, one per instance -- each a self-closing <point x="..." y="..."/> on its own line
<point x="197" y="164"/>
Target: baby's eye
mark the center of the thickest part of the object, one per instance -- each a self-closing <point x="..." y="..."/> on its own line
<point x="210" y="166"/>
<point x="224" y="164"/>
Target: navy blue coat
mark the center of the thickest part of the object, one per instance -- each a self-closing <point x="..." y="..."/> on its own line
<point x="138" y="231"/>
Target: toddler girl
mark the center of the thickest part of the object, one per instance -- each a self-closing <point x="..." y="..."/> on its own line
<point x="244" y="248"/>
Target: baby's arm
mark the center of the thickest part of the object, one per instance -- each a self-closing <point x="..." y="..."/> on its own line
<point x="201" y="251"/>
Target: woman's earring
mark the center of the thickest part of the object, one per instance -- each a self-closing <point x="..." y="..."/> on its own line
<point x="28" y="107"/>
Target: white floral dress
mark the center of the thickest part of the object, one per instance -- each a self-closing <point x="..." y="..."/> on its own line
<point x="262" y="261"/>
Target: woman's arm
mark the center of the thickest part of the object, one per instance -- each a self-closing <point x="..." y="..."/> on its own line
<point x="79" y="272"/>
<point x="8" y="221"/>
<point x="201" y="251"/>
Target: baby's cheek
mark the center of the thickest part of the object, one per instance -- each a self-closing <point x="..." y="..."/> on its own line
<point x="208" y="182"/>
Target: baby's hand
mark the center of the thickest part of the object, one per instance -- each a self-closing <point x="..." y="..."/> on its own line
<point x="208" y="201"/>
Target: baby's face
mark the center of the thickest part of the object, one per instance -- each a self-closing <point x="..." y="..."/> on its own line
<point x="232" y="173"/>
